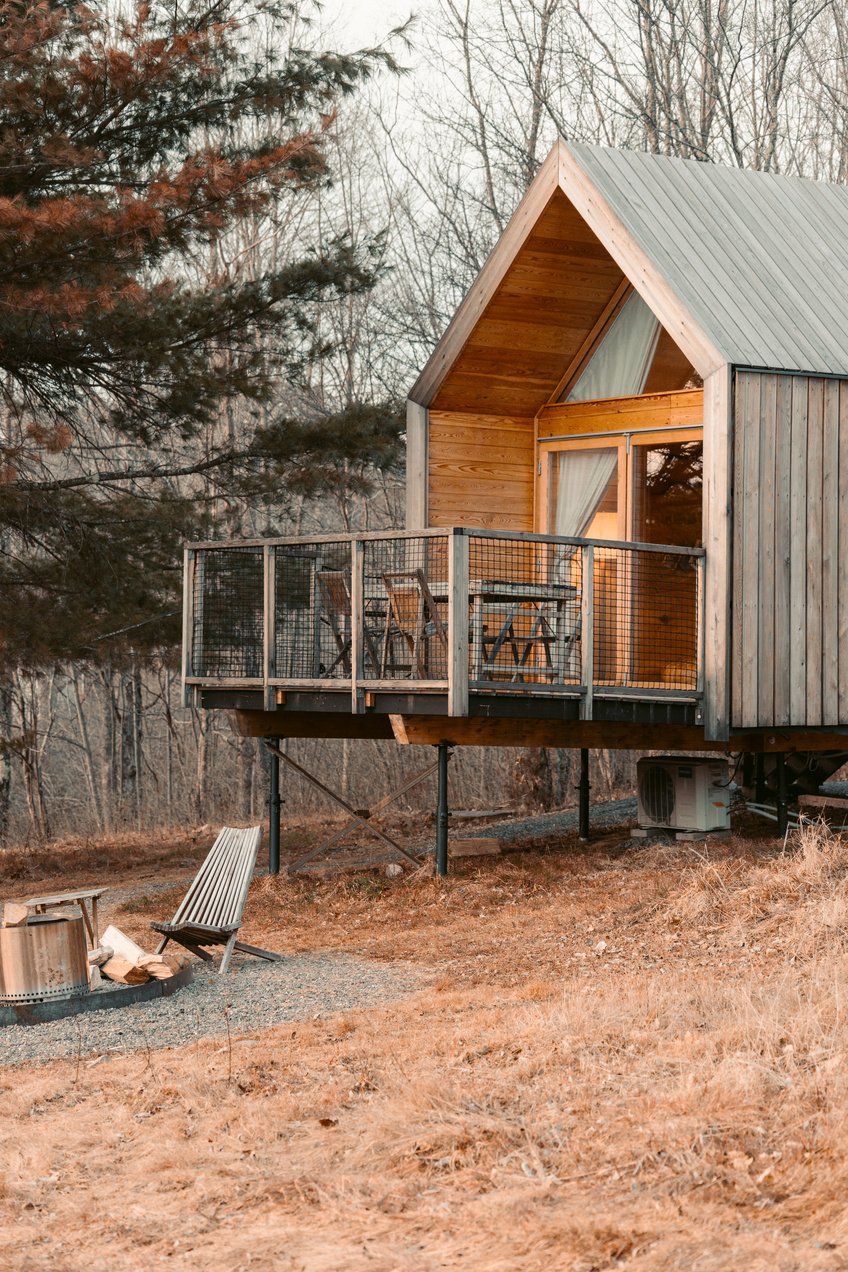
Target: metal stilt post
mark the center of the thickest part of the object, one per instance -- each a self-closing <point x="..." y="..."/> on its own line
<point x="782" y="798"/>
<point x="442" y="811"/>
<point x="584" y="789"/>
<point x="274" y="802"/>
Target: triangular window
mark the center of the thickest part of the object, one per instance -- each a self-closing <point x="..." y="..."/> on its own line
<point x="620" y="364"/>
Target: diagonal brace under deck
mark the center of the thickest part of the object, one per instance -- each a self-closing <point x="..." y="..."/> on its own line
<point x="356" y="818"/>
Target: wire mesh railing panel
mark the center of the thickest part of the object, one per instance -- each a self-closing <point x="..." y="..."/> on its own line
<point x="312" y="611"/>
<point x="227" y="614"/>
<point x="524" y="612"/>
<point x="533" y="620"/>
<point x="405" y="609"/>
<point x="645" y="619"/>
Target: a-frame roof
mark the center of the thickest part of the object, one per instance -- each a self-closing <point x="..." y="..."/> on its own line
<point x="740" y="267"/>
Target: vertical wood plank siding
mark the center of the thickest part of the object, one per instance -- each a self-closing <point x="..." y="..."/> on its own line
<point x="790" y="588"/>
<point x="480" y="471"/>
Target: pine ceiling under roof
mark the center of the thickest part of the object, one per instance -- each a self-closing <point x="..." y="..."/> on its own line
<point x="550" y="297"/>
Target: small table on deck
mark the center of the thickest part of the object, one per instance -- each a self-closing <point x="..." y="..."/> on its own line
<point x="77" y="897"/>
<point x="512" y="597"/>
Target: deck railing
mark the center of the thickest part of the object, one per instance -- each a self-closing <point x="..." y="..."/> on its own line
<point x="457" y="612"/>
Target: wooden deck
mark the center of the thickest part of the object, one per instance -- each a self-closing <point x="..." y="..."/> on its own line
<point x="463" y="623"/>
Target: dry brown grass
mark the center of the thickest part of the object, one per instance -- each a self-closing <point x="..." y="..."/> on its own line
<point x="630" y="1061"/>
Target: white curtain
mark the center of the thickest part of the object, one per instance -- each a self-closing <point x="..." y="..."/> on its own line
<point x="620" y="364"/>
<point x="581" y="481"/>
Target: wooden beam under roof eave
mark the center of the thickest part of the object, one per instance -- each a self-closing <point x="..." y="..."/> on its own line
<point x="520" y="225"/>
<point x="635" y="264"/>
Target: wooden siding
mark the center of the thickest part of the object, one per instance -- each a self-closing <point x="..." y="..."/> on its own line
<point x="480" y="471"/>
<point x="657" y="410"/>
<point x="790" y="551"/>
<point x="718" y="473"/>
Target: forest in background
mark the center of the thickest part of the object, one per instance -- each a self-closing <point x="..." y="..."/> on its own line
<point x="408" y="164"/>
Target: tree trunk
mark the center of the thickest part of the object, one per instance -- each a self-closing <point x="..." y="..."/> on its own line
<point x="109" y="780"/>
<point x="138" y="756"/>
<point x="129" y="747"/>
<point x="5" y="759"/>
<point x="201" y="772"/>
<point x="169" y="747"/>
<point x="88" y="760"/>
<point x="244" y="775"/>
<point x="30" y="761"/>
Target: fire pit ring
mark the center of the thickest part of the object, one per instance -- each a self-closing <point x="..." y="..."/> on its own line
<point x="44" y="958"/>
<point x="98" y="1000"/>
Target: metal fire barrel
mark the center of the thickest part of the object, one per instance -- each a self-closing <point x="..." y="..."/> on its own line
<point x="46" y="957"/>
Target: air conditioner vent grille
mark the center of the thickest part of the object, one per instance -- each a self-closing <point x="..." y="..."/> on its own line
<point x="657" y="793"/>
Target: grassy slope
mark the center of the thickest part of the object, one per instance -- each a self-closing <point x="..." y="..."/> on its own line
<point x="633" y="1060"/>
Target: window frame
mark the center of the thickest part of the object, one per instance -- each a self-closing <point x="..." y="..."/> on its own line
<point x="623" y="441"/>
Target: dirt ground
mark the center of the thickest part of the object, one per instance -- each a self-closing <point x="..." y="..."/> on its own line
<point x="629" y="1057"/>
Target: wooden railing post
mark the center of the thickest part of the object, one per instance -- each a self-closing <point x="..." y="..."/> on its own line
<point x="269" y="625"/>
<point x="357" y="625"/>
<point x="587" y="629"/>
<point x="458" y="624"/>
<point x="700" y="610"/>
<point x="189" y="559"/>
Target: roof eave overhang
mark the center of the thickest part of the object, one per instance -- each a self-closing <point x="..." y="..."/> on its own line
<point x="562" y="170"/>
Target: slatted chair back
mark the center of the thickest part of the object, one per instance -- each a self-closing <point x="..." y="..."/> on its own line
<point x="333" y="592"/>
<point x="218" y="892"/>
<point x="413" y="615"/>
<point x="334" y="587"/>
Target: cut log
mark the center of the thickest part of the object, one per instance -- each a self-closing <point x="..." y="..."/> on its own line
<point x="14" y="914"/>
<point x="95" y="980"/>
<point x="832" y="808"/>
<point x="123" y="945"/>
<point x="101" y="955"/>
<point x="474" y="814"/>
<point x="156" y="966"/>
<point x="124" y="972"/>
<point x="823" y="801"/>
<point x="475" y="848"/>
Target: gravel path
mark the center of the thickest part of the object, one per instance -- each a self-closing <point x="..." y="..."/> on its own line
<point x="609" y="814"/>
<point x="254" y="995"/>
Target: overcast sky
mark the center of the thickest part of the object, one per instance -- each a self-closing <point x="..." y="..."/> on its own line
<point x="361" y="22"/>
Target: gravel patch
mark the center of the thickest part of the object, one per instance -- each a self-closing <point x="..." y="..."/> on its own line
<point x="253" y="995"/>
<point x="601" y="816"/>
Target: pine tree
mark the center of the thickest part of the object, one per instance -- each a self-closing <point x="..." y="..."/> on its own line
<point x="129" y="147"/>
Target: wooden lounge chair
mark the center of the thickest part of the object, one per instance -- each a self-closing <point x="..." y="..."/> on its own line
<point x="210" y="913"/>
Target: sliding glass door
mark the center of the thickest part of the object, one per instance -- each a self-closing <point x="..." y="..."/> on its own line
<point x="641" y="488"/>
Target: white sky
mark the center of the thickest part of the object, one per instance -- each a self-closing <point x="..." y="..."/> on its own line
<point x="362" y="22"/>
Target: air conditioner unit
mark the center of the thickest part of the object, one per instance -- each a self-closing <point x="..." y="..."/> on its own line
<point x="682" y="793"/>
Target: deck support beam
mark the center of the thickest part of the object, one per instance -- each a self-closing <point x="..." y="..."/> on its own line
<point x="274" y="803"/>
<point x="442" y="813"/>
<point x="584" y="789"/>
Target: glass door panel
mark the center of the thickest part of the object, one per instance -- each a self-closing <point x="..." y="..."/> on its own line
<point x="666" y="501"/>
<point x="587" y="500"/>
<point x="586" y="492"/>
<point x="667" y="489"/>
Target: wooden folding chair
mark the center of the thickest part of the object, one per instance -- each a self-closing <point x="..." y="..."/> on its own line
<point x="333" y="591"/>
<point x="412" y="615"/>
<point x="211" y="911"/>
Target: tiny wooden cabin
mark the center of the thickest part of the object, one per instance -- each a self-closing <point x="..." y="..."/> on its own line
<point x="627" y="494"/>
